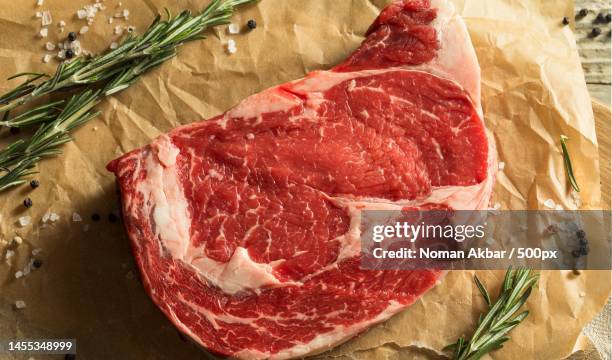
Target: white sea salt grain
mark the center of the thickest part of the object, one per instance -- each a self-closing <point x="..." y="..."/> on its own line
<point x="40" y="2"/>
<point x="44" y="32"/>
<point x="36" y="251"/>
<point x="46" y="18"/>
<point x="558" y="207"/>
<point x="114" y="45"/>
<point x="25" y="220"/>
<point x="18" y="240"/>
<point x="118" y="30"/>
<point x="81" y="14"/>
<point x="46" y="58"/>
<point x="39" y="14"/>
<point x="9" y="254"/>
<point x="18" y="274"/>
<point x="125" y="13"/>
<point x="233" y="29"/>
<point x="110" y="20"/>
<point x="76" y="217"/>
<point x="501" y="165"/>
<point x="61" y="23"/>
<point x="549" y="204"/>
<point x="84" y="29"/>
<point x="50" y="46"/>
<point x="20" y="304"/>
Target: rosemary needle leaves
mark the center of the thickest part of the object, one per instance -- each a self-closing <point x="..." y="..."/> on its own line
<point x="568" y="164"/>
<point x="109" y="73"/>
<point x="494" y="326"/>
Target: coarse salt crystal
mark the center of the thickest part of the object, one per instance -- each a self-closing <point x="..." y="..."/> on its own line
<point x="46" y="58"/>
<point x="61" y="23"/>
<point x="50" y="46"/>
<point x="81" y="14"/>
<point x="501" y="165"/>
<point x="53" y="217"/>
<point x="558" y="207"/>
<point x="125" y="13"/>
<point x="18" y="240"/>
<point x="9" y="254"/>
<point x="114" y="45"/>
<point x="549" y="204"/>
<point x="233" y="29"/>
<point x="39" y="14"/>
<point x="46" y="18"/>
<point x="118" y="30"/>
<point x="20" y="304"/>
<point x="84" y="29"/>
<point x="250" y="136"/>
<point x="44" y="32"/>
<point x="18" y="274"/>
<point x="40" y="2"/>
<point x="47" y="215"/>
<point x="496" y="206"/>
<point x="76" y="217"/>
<point x="36" y="251"/>
<point x="110" y="20"/>
<point x="25" y="220"/>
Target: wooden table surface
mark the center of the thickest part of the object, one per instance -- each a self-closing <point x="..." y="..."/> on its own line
<point x="595" y="50"/>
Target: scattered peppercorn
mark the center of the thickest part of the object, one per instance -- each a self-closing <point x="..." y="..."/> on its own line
<point x="576" y="253"/>
<point x="37" y="263"/>
<point x="28" y="203"/>
<point x="583" y="12"/>
<point x="252" y="24"/>
<point x="600" y="18"/>
<point x="565" y="20"/>
<point x="69" y="54"/>
<point x="95" y="217"/>
<point x="595" y="32"/>
<point x="15" y="130"/>
<point x="609" y="18"/>
<point x="580" y="233"/>
<point x="112" y="217"/>
<point x="34" y="184"/>
<point x="584" y="241"/>
<point x="72" y="36"/>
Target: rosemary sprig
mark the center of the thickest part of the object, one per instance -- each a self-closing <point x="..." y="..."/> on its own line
<point x="157" y="44"/>
<point x="568" y="164"/>
<point x="494" y="325"/>
<point x="117" y="70"/>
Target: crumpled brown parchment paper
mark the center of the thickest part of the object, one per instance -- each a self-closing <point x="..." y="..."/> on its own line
<point x="87" y="288"/>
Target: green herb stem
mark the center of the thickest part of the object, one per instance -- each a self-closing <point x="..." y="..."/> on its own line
<point x="568" y="164"/>
<point x="499" y="320"/>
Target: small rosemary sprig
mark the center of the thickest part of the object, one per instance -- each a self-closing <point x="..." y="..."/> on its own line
<point x="116" y="70"/>
<point x="568" y="164"/>
<point x="494" y="326"/>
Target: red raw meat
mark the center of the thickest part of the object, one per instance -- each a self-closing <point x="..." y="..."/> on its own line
<point x="246" y="227"/>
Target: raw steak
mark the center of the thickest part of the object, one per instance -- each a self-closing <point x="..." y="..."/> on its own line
<point x="246" y="227"/>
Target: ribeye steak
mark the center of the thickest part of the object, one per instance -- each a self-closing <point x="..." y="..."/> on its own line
<point x="246" y="226"/>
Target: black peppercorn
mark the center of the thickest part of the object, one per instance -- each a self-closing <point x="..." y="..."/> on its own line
<point x="72" y="36"/>
<point x="583" y="12"/>
<point x="576" y="253"/>
<point x="600" y="18"/>
<point x="28" y="203"/>
<point x="584" y="250"/>
<point x="37" y="263"/>
<point x="595" y="32"/>
<point x="580" y="233"/>
<point x="566" y="21"/>
<point x="69" y="54"/>
<point x="609" y="18"/>
<point x="112" y="217"/>
<point x="34" y="184"/>
<point x="95" y="217"/>
<point x="252" y="24"/>
<point x="15" y="130"/>
<point x="583" y="241"/>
